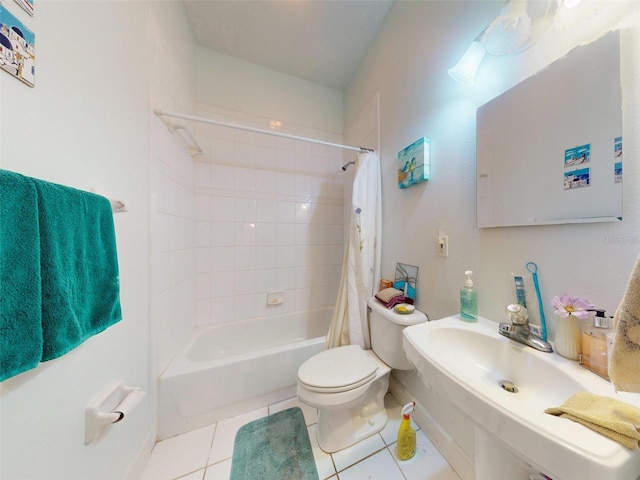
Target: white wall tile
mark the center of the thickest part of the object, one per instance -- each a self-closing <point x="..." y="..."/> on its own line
<point x="267" y="211"/>
<point x="244" y="154"/>
<point x="266" y="234"/>
<point x="285" y="234"/>
<point x="244" y="258"/>
<point x="286" y="212"/>
<point x="244" y="234"/>
<point x="222" y="176"/>
<point x="222" y="234"/>
<point x="266" y="257"/>
<point x="222" y="309"/>
<point x="221" y="150"/>
<point x="244" y="179"/>
<point x="222" y="208"/>
<point x="222" y="259"/>
<point x="245" y="282"/>
<point x="245" y="210"/>
<point x="222" y="284"/>
<point x="285" y="256"/>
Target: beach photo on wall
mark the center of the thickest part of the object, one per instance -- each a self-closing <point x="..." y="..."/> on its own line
<point x="413" y="163"/>
<point x="17" y="48"/>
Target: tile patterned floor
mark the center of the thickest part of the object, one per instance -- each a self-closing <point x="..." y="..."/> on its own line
<point x="205" y="454"/>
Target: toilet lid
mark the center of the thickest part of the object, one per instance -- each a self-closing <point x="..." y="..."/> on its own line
<point x="337" y="370"/>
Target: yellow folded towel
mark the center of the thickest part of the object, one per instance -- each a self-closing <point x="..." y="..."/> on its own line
<point x="624" y="360"/>
<point x="609" y="417"/>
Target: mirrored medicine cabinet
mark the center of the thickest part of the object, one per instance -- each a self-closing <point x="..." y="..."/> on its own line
<point x="549" y="150"/>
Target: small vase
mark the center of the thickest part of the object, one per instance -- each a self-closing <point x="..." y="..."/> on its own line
<point x="567" y="339"/>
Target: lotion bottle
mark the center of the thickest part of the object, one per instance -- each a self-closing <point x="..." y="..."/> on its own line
<point x="406" y="434"/>
<point x="595" y="345"/>
<point x="468" y="300"/>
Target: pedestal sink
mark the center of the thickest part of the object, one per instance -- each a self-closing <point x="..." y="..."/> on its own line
<point x="505" y="387"/>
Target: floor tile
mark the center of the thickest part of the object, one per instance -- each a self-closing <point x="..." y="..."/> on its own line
<point x="219" y="471"/>
<point x="179" y="455"/>
<point x="222" y="446"/>
<point x="427" y="464"/>
<point x="185" y="456"/>
<point x="354" y="453"/>
<point x="194" y="476"/>
<point x="380" y="466"/>
<point x="324" y="463"/>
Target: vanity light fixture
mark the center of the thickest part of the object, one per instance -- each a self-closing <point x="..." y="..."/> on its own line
<point x="511" y="32"/>
<point x="465" y="70"/>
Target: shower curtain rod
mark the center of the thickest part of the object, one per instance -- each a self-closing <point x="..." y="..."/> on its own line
<point x="160" y="113"/>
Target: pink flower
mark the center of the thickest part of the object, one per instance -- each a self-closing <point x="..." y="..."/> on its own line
<point x="566" y="305"/>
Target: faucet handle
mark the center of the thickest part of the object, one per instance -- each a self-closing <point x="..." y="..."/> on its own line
<point x="517" y="314"/>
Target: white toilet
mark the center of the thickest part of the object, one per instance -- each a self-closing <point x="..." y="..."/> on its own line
<point x="348" y="384"/>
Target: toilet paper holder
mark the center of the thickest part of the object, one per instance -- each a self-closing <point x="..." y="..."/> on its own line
<point x="110" y="406"/>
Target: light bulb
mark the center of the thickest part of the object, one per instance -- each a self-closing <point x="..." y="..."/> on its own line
<point x="465" y="70"/>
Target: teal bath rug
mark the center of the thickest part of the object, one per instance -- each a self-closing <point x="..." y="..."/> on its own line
<point x="276" y="447"/>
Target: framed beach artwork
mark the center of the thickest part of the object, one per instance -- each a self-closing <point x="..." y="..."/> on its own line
<point x="17" y="48"/>
<point x="413" y="163"/>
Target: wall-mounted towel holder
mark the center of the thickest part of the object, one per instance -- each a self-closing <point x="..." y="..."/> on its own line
<point x="110" y="406"/>
<point x="118" y="206"/>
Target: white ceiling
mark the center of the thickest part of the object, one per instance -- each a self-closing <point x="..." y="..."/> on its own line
<point x="318" y="40"/>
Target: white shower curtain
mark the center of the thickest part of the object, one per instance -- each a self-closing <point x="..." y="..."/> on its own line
<point x="361" y="263"/>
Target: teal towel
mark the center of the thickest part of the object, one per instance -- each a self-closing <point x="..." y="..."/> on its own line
<point x="58" y="270"/>
<point x="79" y="267"/>
<point x="20" y="295"/>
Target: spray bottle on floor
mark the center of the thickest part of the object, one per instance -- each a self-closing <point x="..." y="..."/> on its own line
<point x="406" y="434"/>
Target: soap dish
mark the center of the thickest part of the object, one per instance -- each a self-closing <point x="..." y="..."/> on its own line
<point x="404" y="308"/>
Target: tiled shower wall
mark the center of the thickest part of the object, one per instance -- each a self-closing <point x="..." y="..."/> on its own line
<point x="269" y="218"/>
<point x="173" y="200"/>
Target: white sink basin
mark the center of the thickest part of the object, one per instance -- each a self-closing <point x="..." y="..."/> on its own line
<point x="466" y="362"/>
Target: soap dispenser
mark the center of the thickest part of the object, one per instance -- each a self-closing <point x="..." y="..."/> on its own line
<point x="595" y="345"/>
<point x="468" y="300"/>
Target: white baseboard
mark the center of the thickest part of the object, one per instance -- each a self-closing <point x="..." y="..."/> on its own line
<point x="137" y="465"/>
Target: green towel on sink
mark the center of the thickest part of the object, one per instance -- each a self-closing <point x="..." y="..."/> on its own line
<point x="80" y="284"/>
<point x="20" y="294"/>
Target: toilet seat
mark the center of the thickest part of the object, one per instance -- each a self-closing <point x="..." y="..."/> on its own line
<point x="337" y="370"/>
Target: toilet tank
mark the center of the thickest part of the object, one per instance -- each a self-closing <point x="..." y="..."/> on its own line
<point x="386" y="333"/>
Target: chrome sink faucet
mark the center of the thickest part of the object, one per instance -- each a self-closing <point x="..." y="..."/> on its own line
<point x="518" y="329"/>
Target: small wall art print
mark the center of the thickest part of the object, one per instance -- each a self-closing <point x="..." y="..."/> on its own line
<point x="577" y="178"/>
<point x="27" y="5"/>
<point x="617" y="166"/>
<point x="414" y="163"/>
<point x="17" y="48"/>
<point x="577" y="155"/>
<point x="405" y="280"/>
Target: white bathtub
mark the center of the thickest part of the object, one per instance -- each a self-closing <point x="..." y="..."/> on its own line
<point x="224" y="370"/>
